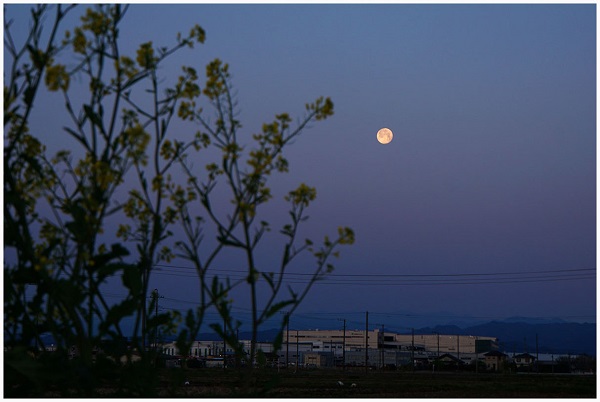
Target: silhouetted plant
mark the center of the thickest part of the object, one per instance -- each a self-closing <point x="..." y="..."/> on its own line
<point x="60" y="252"/>
<point x="58" y="210"/>
<point x="245" y="169"/>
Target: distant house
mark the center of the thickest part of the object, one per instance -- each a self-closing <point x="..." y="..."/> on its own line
<point x="447" y="360"/>
<point x="214" y="362"/>
<point x="271" y="357"/>
<point x="172" y="363"/>
<point x="316" y="359"/>
<point x="494" y="360"/>
<point x="524" y="360"/>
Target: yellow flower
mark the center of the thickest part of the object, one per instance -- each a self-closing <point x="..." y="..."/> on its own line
<point x="57" y="78"/>
<point x="79" y="41"/>
<point x="145" y="55"/>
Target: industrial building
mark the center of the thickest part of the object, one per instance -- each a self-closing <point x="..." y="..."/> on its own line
<point x="318" y="348"/>
<point x="339" y="340"/>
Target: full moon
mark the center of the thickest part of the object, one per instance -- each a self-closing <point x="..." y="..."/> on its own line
<point x="385" y="136"/>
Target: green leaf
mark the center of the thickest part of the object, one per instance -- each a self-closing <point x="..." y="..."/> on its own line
<point x="117" y="251"/>
<point x="135" y="79"/>
<point x="132" y="279"/>
<point x="261" y="358"/>
<point x="118" y="312"/>
<point x="37" y="56"/>
<point x="106" y="270"/>
<point x="94" y="117"/>
<point x="275" y="308"/>
<point x="278" y="340"/>
<point x="269" y="278"/>
<point x="28" y="95"/>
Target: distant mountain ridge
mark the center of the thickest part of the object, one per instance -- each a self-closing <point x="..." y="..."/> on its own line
<point x="558" y="338"/>
<point x="533" y="320"/>
<point x="513" y="335"/>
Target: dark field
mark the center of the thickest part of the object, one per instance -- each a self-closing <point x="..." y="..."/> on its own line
<point x="324" y="384"/>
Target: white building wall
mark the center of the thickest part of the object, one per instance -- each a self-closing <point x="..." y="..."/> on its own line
<point x="332" y="341"/>
<point x="326" y="340"/>
<point x="453" y="344"/>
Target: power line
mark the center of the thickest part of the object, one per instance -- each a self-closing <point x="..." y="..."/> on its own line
<point x="402" y="275"/>
<point x="437" y="283"/>
<point x="323" y="315"/>
<point x="494" y="278"/>
<point x="416" y="279"/>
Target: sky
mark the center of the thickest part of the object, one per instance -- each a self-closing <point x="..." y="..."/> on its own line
<point x="483" y="206"/>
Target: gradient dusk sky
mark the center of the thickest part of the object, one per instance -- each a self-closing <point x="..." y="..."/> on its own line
<point x="483" y="205"/>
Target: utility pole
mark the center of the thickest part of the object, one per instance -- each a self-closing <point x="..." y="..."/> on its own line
<point x="287" y="342"/>
<point x="144" y="282"/>
<point x="237" y="343"/>
<point x="287" y="337"/>
<point x="297" y="350"/>
<point x="332" y="351"/>
<point x="412" y="349"/>
<point x="224" y="344"/>
<point x="382" y="346"/>
<point x="344" y="345"/>
<point x="367" y="343"/>
<point x="156" y="316"/>
<point x="476" y="357"/>
<point x="155" y="296"/>
<point x="537" y="354"/>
